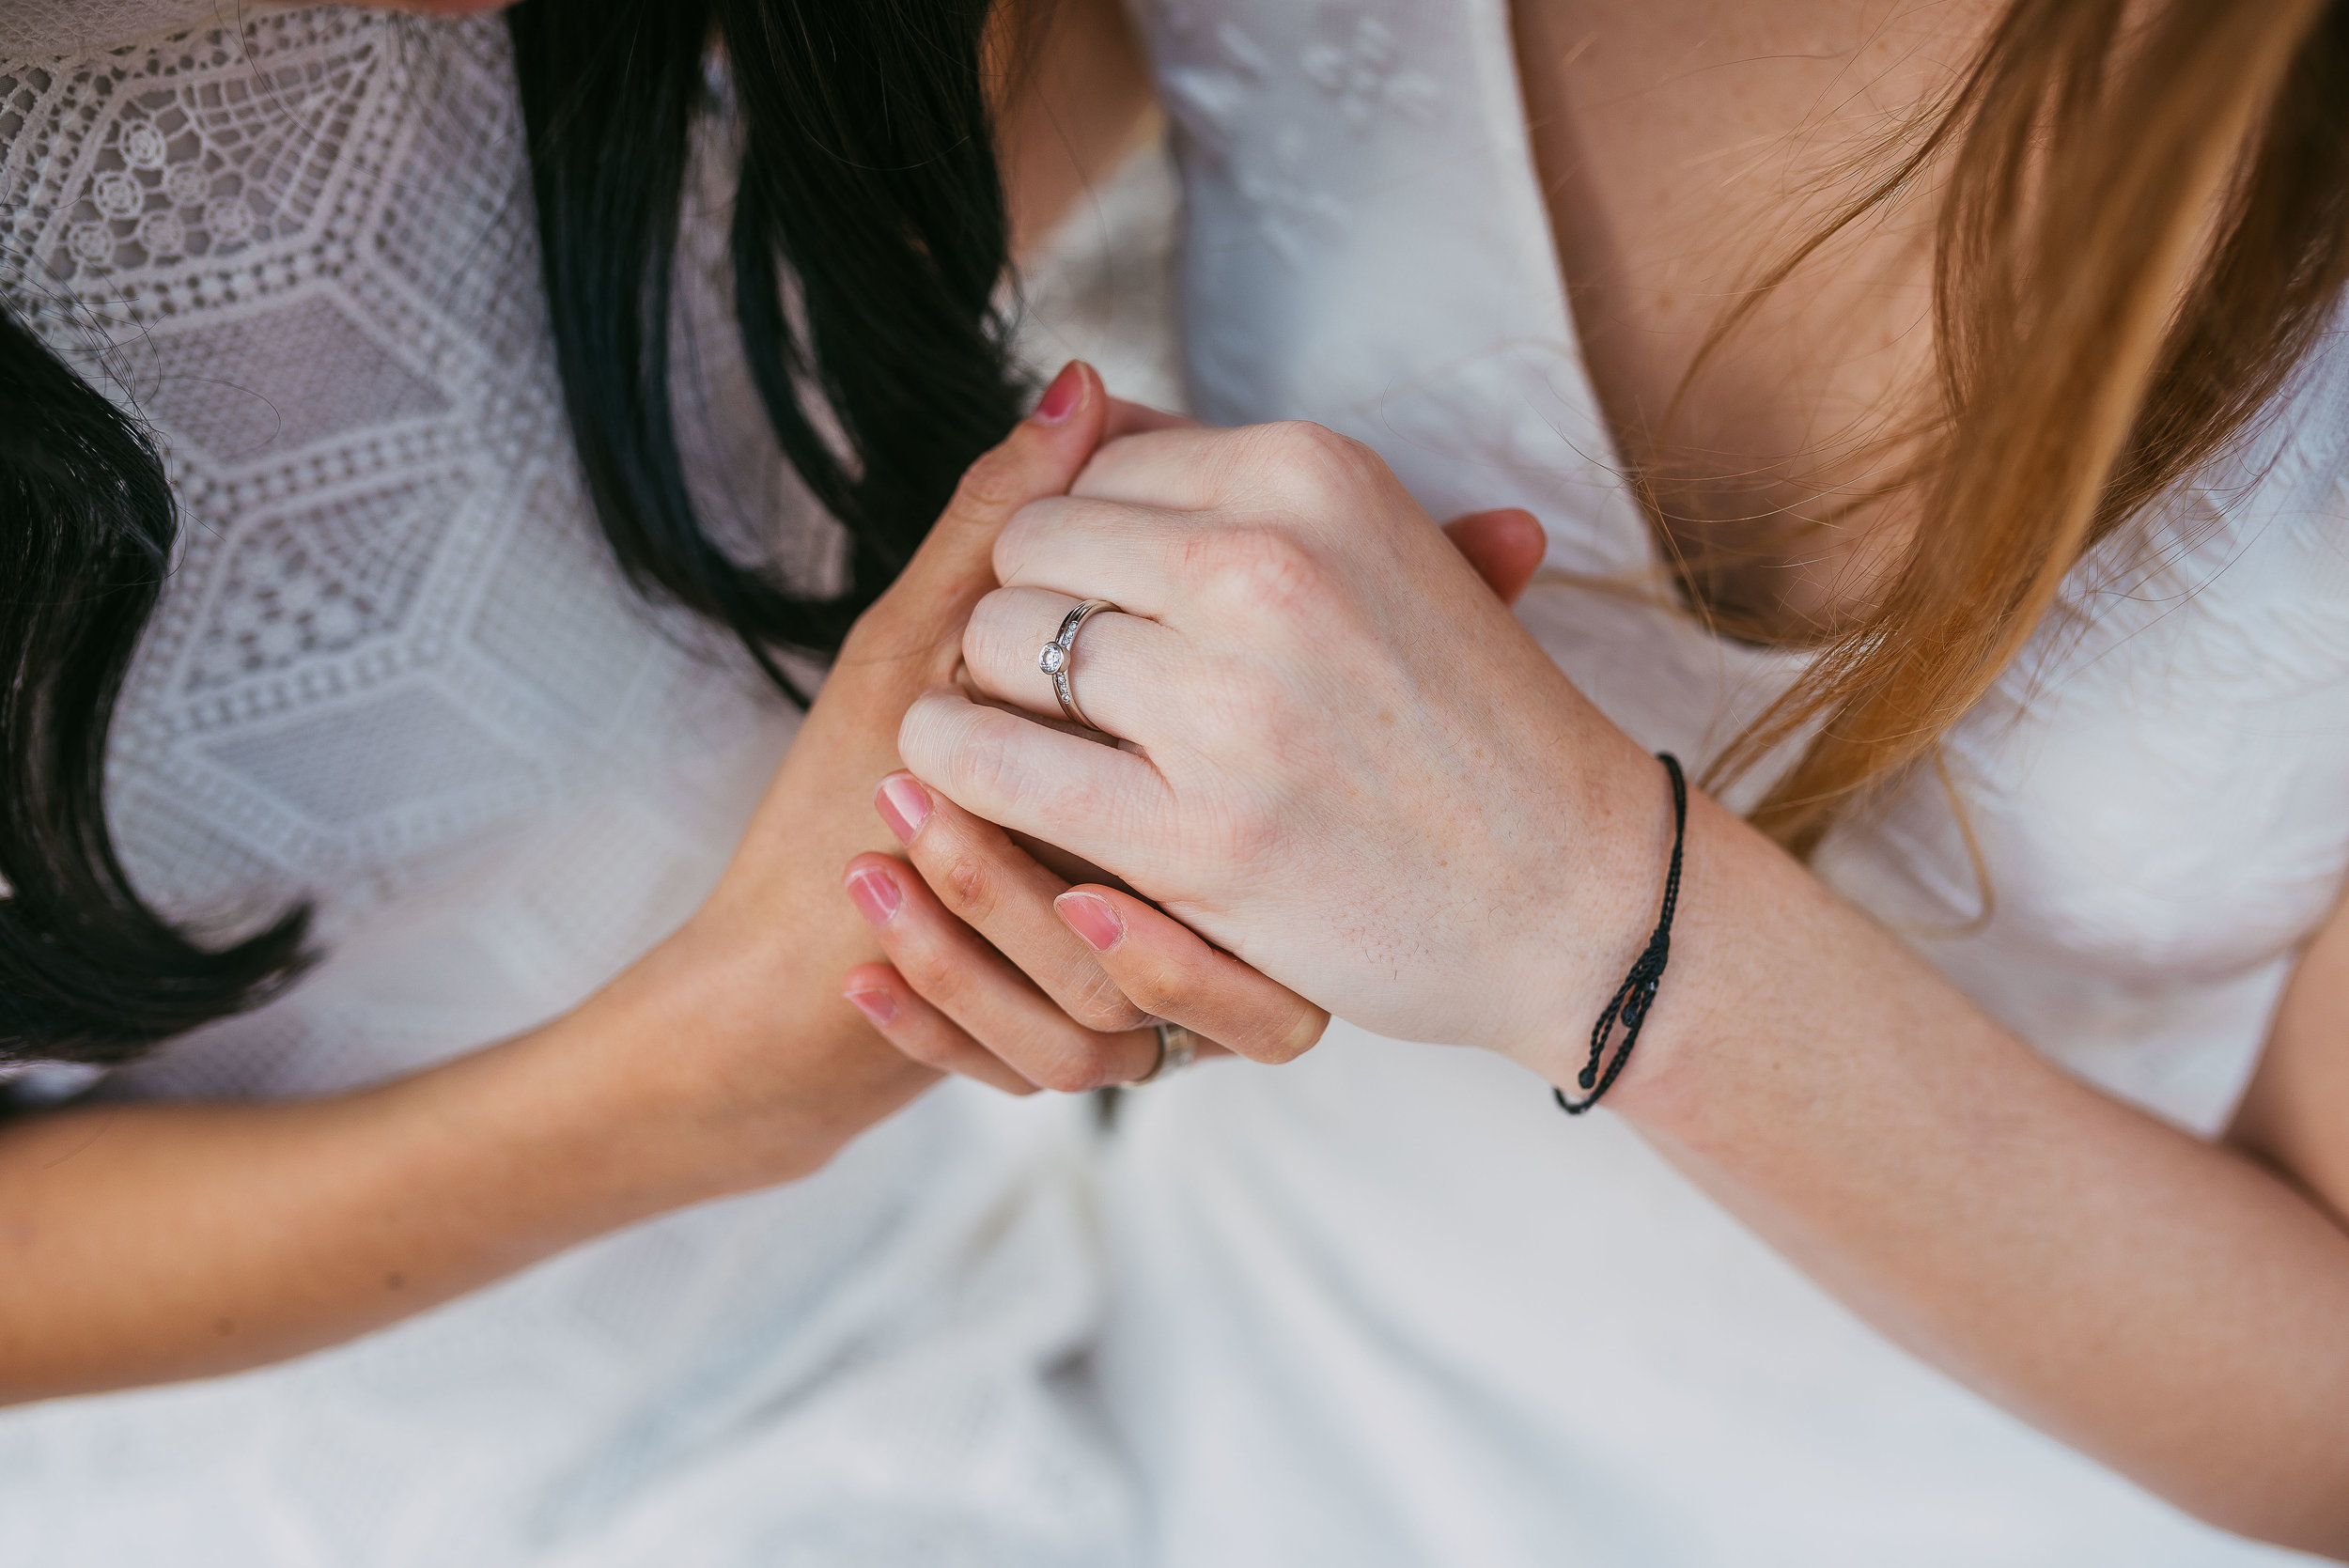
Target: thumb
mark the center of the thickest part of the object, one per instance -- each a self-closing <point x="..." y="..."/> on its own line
<point x="1041" y="456"/>
<point x="1504" y="545"/>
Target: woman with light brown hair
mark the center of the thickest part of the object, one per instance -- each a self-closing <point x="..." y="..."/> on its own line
<point x="1939" y="424"/>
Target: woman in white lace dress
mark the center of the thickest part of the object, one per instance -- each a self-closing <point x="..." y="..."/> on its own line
<point x="1978" y="1191"/>
<point x="461" y="354"/>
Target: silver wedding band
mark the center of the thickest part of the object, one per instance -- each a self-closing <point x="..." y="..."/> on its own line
<point x="1055" y="660"/>
<point x="1177" y="1048"/>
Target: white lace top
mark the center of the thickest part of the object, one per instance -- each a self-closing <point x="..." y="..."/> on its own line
<point x="396" y="671"/>
<point x="1387" y="1306"/>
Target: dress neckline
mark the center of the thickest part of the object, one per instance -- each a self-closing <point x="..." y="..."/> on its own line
<point x="1495" y="44"/>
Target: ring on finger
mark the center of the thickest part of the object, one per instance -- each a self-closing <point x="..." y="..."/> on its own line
<point x="1177" y="1048"/>
<point x="1056" y="657"/>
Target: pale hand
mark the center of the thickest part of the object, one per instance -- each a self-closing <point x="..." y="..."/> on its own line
<point x="1345" y="762"/>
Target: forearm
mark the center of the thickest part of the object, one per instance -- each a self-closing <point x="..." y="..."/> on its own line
<point x="148" y="1243"/>
<point x="139" y="1244"/>
<point x="2166" y="1305"/>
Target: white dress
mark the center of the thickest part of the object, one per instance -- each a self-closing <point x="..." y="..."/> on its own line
<point x="1387" y="1306"/>
<point x="396" y="670"/>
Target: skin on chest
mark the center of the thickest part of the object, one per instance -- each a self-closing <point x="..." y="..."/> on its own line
<point x="1683" y="147"/>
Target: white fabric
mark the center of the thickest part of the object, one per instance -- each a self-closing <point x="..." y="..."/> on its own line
<point x="396" y="671"/>
<point x="1387" y="1306"/>
<point x="34" y="29"/>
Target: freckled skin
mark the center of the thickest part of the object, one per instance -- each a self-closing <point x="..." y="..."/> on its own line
<point x="1678" y="142"/>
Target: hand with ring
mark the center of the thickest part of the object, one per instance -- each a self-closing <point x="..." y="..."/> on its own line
<point x="1047" y="963"/>
<point x="1340" y="759"/>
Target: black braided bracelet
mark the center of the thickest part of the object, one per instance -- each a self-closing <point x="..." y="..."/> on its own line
<point x="1637" y="993"/>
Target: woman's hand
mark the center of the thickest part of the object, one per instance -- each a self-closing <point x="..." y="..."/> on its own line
<point x="1345" y="763"/>
<point x="147" y="1242"/>
<point x="981" y="911"/>
<point x="1350" y="770"/>
<point x="997" y="964"/>
<point x="768" y="1071"/>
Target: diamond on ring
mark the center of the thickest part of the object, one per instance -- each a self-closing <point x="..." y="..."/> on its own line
<point x="1054" y="657"/>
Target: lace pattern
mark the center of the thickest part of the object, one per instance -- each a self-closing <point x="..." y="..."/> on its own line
<point x="396" y="671"/>
<point x="304" y="252"/>
<point x="36" y="29"/>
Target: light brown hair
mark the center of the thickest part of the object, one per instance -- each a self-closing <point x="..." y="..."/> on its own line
<point x="2143" y="222"/>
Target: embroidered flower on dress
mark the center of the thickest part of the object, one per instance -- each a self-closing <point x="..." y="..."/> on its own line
<point x="1365" y="75"/>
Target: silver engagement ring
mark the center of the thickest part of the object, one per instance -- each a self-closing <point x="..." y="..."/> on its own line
<point x="1060" y="652"/>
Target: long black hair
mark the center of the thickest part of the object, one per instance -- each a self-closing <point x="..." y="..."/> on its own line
<point x="869" y="246"/>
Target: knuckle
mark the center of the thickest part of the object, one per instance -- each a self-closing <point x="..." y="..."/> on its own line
<point x="984" y="760"/>
<point x="932" y="971"/>
<point x="1036" y="792"/>
<point x="989" y="488"/>
<point x="1160" y="990"/>
<point x="1296" y="441"/>
<point x="1290" y="1038"/>
<point x="1271" y="572"/>
<point x="987" y="635"/>
<point x="967" y="885"/>
<point x="926" y="1047"/>
<point x="1069" y="1073"/>
<point x="1100" y="1005"/>
<point x="1315" y="468"/>
<point x="1256" y="569"/>
<point x="1032" y="521"/>
<point x="931" y="738"/>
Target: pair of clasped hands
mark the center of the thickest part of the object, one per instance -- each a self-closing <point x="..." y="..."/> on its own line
<point x="1346" y="779"/>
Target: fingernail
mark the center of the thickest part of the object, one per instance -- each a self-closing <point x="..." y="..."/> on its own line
<point x="1059" y="399"/>
<point x="879" y="1006"/>
<point x="904" y="804"/>
<point x="1092" y="917"/>
<point x="876" y="894"/>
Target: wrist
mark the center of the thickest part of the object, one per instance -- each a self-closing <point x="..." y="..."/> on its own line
<point x="696" y="1076"/>
<point x="1750" y="919"/>
<point x="1609" y="909"/>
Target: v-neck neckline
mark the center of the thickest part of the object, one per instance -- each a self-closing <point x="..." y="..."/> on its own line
<point x="1495" y="42"/>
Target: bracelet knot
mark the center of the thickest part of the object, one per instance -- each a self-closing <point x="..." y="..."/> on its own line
<point x="1637" y="994"/>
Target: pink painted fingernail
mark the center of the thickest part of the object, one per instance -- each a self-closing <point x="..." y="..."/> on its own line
<point x="1059" y="399"/>
<point x="904" y="804"/>
<point x="875" y="891"/>
<point x="879" y="1006"/>
<point x="1092" y="917"/>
